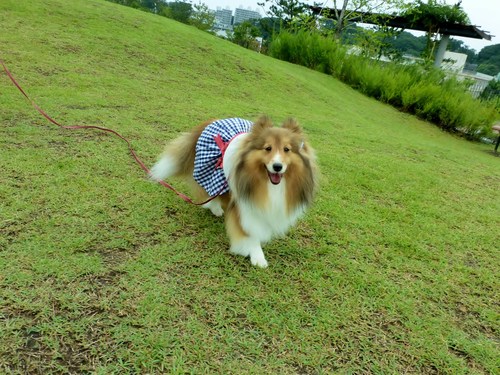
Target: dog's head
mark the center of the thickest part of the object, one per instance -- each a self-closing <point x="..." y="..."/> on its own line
<point x="275" y="149"/>
<point x="276" y="154"/>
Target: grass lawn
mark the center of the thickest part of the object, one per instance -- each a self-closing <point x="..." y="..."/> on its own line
<point x="393" y="270"/>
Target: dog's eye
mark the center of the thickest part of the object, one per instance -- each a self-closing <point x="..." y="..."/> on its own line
<point x="286" y="149"/>
<point x="268" y="148"/>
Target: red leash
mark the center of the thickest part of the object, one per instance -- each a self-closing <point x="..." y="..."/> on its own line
<point x="132" y="151"/>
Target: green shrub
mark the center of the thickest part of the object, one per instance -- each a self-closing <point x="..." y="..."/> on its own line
<point x="372" y="80"/>
<point x="422" y="99"/>
<point x="308" y="49"/>
<point x="350" y="72"/>
<point x="396" y="83"/>
<point x="423" y="91"/>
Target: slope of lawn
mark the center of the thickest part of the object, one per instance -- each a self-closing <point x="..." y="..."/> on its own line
<point x="393" y="270"/>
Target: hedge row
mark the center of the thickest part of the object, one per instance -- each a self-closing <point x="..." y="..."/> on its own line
<point x="425" y="92"/>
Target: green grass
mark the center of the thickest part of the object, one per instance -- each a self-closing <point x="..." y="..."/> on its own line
<point x="393" y="270"/>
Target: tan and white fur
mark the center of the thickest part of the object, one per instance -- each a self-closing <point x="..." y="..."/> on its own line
<point x="272" y="178"/>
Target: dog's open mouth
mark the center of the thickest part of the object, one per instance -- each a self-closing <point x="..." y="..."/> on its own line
<point x="275" y="178"/>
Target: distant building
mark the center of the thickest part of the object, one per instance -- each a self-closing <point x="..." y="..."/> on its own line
<point x="455" y="63"/>
<point x="481" y="81"/>
<point x="223" y="19"/>
<point x="242" y="15"/>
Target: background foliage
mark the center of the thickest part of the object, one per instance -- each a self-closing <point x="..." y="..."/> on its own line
<point x="420" y="90"/>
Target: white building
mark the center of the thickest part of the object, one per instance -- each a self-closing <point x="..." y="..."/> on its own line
<point x="223" y="19"/>
<point x="241" y="15"/>
<point x="455" y="62"/>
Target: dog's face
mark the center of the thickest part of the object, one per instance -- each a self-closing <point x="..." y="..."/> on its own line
<point x="272" y="154"/>
<point x="275" y="149"/>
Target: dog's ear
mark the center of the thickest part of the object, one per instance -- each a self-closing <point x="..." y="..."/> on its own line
<point x="263" y="122"/>
<point x="292" y="125"/>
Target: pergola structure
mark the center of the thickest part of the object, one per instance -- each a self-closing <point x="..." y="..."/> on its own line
<point x="445" y="29"/>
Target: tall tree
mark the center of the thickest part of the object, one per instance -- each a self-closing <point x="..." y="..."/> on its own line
<point x="245" y="35"/>
<point x="489" y="60"/>
<point x="138" y="4"/>
<point x="284" y="10"/>
<point x="153" y="6"/>
<point x="268" y="26"/>
<point x="179" y="11"/>
<point x="409" y="44"/>
<point x="432" y="14"/>
<point x="377" y="42"/>
<point x="455" y="45"/>
<point x="202" y="17"/>
<point x="345" y="11"/>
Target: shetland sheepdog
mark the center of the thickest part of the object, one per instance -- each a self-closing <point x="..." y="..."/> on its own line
<point x="265" y="177"/>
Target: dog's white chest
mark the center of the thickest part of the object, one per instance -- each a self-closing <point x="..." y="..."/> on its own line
<point x="270" y="221"/>
<point x="262" y="222"/>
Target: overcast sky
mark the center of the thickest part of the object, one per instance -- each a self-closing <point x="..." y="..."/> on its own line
<point x="482" y="13"/>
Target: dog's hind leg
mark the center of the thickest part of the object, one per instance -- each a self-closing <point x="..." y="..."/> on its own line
<point x="215" y="205"/>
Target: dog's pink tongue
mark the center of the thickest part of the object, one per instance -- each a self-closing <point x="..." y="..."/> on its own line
<point x="275" y="178"/>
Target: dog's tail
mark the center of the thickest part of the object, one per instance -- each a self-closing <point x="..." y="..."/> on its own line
<point x="178" y="157"/>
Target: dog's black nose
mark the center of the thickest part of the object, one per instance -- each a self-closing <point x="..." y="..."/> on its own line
<point x="277" y="167"/>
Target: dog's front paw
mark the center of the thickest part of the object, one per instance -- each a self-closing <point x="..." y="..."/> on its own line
<point x="217" y="211"/>
<point x="214" y="207"/>
<point x="258" y="260"/>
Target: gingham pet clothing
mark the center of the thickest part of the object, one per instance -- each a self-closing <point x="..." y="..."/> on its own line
<point x="209" y="151"/>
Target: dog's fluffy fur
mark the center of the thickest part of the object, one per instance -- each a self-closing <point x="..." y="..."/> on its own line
<point x="271" y="173"/>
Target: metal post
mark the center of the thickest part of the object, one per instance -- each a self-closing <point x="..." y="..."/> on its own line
<point x="443" y="43"/>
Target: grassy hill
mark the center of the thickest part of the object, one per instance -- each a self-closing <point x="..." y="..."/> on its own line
<point x="392" y="271"/>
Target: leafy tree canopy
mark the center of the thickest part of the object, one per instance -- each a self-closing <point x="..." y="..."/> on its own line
<point x="284" y="10"/>
<point x="202" y="18"/>
<point x="345" y="11"/>
<point x="489" y="60"/>
<point x="435" y="12"/>
<point x="245" y="35"/>
<point x="432" y="14"/>
<point x="180" y="11"/>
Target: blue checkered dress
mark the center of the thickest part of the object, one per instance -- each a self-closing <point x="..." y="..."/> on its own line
<point x="208" y="153"/>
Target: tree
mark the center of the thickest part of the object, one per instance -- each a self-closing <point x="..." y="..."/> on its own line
<point x="455" y="45"/>
<point x="432" y="14"/>
<point x="179" y="11"/>
<point x="284" y="10"/>
<point x="245" y="35"/>
<point x="350" y="10"/>
<point x="489" y="60"/>
<point x="153" y="6"/>
<point x="137" y="4"/>
<point x="492" y="90"/>
<point x="268" y="27"/>
<point x="202" y="17"/>
<point x="376" y="42"/>
<point x="409" y="44"/>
